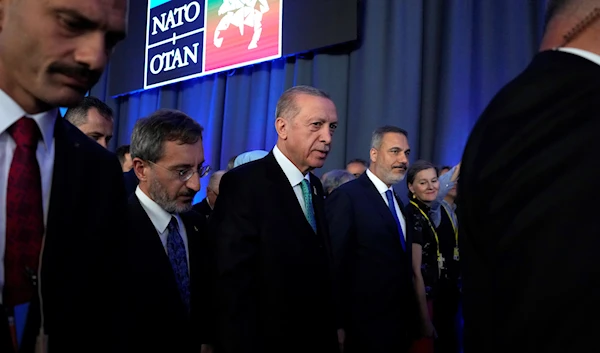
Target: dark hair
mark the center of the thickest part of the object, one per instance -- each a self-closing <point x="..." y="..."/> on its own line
<point x="358" y="160"/>
<point x="417" y="167"/>
<point x="377" y="136"/>
<point x="121" y="152"/>
<point x="149" y="134"/>
<point x="286" y="105"/>
<point x="446" y="167"/>
<point x="77" y="115"/>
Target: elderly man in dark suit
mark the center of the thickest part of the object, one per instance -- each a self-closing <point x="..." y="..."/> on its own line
<point x="273" y="253"/>
<point x="61" y="194"/>
<point x="372" y="252"/>
<point x="528" y="199"/>
<point x="167" y="249"/>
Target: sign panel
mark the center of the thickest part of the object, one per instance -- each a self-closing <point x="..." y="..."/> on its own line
<point x="187" y="39"/>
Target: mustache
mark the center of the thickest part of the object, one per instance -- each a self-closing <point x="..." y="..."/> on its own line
<point x="79" y="72"/>
<point x="401" y="166"/>
<point x="188" y="193"/>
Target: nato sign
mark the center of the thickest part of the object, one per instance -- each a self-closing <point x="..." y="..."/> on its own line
<point x="187" y="39"/>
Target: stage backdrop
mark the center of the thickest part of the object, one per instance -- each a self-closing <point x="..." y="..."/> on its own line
<point x="428" y="66"/>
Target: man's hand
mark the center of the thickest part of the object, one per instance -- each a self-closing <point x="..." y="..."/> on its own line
<point x="341" y="339"/>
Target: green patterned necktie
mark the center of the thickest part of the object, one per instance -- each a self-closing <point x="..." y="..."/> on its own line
<point x="309" y="210"/>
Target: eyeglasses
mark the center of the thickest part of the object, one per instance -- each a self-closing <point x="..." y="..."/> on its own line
<point x="185" y="174"/>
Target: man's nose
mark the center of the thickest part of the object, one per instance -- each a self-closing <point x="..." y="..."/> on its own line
<point x="194" y="182"/>
<point x="92" y="52"/>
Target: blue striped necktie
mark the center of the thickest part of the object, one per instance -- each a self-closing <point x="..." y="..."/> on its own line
<point x="179" y="263"/>
<point x="309" y="210"/>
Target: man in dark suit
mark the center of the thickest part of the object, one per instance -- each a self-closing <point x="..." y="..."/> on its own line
<point x="205" y="207"/>
<point x="528" y="199"/>
<point x="273" y="287"/>
<point x="372" y="254"/>
<point x="61" y="194"/>
<point x="167" y="251"/>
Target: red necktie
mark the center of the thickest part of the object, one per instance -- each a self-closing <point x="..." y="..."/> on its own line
<point x="25" y="215"/>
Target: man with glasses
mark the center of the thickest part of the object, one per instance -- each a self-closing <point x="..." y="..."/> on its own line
<point x="167" y="248"/>
<point x="206" y="206"/>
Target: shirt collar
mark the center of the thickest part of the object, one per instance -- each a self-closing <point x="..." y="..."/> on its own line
<point x="159" y="217"/>
<point x="11" y="112"/>
<point x="380" y="185"/>
<point x="582" y="53"/>
<point x="293" y="174"/>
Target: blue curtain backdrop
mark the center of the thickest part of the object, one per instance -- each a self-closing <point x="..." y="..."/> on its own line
<point x="428" y="66"/>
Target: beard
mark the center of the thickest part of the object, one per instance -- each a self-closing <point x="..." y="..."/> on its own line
<point x="389" y="177"/>
<point x="160" y="195"/>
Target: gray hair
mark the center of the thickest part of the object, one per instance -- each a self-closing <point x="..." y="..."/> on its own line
<point x="150" y="133"/>
<point x="333" y="179"/>
<point x="77" y="115"/>
<point x="215" y="179"/>
<point x="286" y="105"/>
<point x="379" y="132"/>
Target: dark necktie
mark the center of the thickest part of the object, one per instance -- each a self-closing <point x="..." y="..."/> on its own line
<point x="392" y="206"/>
<point x="24" y="215"/>
<point x="310" y="211"/>
<point x="179" y="263"/>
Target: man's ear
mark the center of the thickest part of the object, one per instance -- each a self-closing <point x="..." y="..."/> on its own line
<point x="282" y="126"/>
<point x="139" y="167"/>
<point x="373" y="155"/>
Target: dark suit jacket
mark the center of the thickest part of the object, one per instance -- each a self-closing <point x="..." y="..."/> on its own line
<point x="375" y="293"/>
<point x="81" y="262"/>
<point x="131" y="182"/>
<point x="528" y="212"/>
<point x="160" y="320"/>
<point x="273" y="272"/>
<point x="203" y="208"/>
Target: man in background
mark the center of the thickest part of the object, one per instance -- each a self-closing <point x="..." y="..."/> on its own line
<point x="94" y="118"/>
<point x="206" y="206"/>
<point x="334" y="178"/>
<point x="273" y="285"/>
<point x="357" y="167"/>
<point x="527" y="199"/>
<point x="51" y="53"/>
<point x="124" y="158"/>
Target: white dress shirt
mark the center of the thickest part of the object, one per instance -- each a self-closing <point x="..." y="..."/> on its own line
<point x="293" y="174"/>
<point x="161" y="219"/>
<point x="382" y="188"/>
<point x="10" y="112"/>
<point x="582" y="53"/>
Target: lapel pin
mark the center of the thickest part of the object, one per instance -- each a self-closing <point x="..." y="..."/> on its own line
<point x="315" y="190"/>
<point x="195" y="228"/>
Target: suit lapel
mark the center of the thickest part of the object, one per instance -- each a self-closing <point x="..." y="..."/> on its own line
<point x="65" y="179"/>
<point x="319" y="208"/>
<point x="193" y="232"/>
<point x="285" y="191"/>
<point x="375" y="199"/>
<point x="147" y="238"/>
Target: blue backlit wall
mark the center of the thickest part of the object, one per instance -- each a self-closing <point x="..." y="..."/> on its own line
<point x="429" y="68"/>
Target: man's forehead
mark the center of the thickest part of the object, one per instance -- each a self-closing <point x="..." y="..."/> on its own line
<point x="392" y="139"/>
